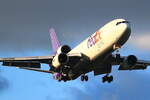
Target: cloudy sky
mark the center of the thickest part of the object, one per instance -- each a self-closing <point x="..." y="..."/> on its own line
<point x="24" y="32"/>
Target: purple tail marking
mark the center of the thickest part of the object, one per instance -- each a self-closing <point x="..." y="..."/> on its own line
<point x="54" y="40"/>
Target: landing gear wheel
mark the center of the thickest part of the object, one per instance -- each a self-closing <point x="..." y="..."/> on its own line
<point x="86" y="78"/>
<point x="104" y="79"/>
<point x="107" y="78"/>
<point x="110" y="79"/>
<point x="82" y="78"/>
<point x="64" y="78"/>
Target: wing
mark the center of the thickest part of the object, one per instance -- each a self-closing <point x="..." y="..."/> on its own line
<point x="32" y="62"/>
<point x="145" y="62"/>
<point x="130" y="62"/>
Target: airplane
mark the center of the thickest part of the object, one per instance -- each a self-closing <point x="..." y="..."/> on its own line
<point x="98" y="54"/>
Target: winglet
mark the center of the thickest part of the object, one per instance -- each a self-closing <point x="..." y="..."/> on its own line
<point x="54" y="40"/>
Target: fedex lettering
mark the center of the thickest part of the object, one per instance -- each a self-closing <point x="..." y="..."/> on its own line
<point x="94" y="39"/>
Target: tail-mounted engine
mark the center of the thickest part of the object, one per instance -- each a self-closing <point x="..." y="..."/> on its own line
<point x="128" y="63"/>
<point x="63" y="49"/>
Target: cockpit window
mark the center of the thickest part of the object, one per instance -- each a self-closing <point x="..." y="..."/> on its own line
<point x="122" y="22"/>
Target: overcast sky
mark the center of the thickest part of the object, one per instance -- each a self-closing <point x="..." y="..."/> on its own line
<point x="24" y="32"/>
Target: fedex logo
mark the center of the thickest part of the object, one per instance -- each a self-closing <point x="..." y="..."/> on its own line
<point x="94" y="39"/>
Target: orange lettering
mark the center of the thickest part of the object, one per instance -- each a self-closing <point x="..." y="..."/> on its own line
<point x="97" y="36"/>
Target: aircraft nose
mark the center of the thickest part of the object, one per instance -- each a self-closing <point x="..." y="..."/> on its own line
<point x="123" y="30"/>
<point x="122" y="22"/>
<point x="124" y="26"/>
<point x="127" y="27"/>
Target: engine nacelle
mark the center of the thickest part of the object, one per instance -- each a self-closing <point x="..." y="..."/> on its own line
<point x="59" y="60"/>
<point x="131" y="60"/>
<point x="63" y="49"/>
<point x="128" y="63"/>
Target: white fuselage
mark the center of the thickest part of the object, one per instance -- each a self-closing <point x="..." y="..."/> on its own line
<point x="104" y="39"/>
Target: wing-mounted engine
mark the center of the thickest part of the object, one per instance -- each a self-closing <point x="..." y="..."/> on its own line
<point x="61" y="57"/>
<point x="128" y="63"/>
<point x="131" y="63"/>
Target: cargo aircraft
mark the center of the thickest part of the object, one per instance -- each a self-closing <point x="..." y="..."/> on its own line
<point x="96" y="53"/>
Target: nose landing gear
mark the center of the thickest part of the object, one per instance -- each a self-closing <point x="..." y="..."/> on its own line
<point x="116" y="46"/>
<point x="107" y="78"/>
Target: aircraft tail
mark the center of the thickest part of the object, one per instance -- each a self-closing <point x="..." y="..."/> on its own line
<point x="54" y="40"/>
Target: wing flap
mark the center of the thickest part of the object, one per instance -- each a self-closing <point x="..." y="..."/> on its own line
<point x="22" y="64"/>
<point x="35" y="69"/>
<point x="35" y="59"/>
<point x="143" y="62"/>
<point x="136" y="67"/>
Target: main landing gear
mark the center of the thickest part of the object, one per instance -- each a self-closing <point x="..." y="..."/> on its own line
<point x="84" y="78"/>
<point x="107" y="78"/>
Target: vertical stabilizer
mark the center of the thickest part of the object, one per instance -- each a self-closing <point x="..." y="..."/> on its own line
<point x="54" y="40"/>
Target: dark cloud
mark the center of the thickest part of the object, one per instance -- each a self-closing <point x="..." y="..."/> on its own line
<point x="24" y="24"/>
